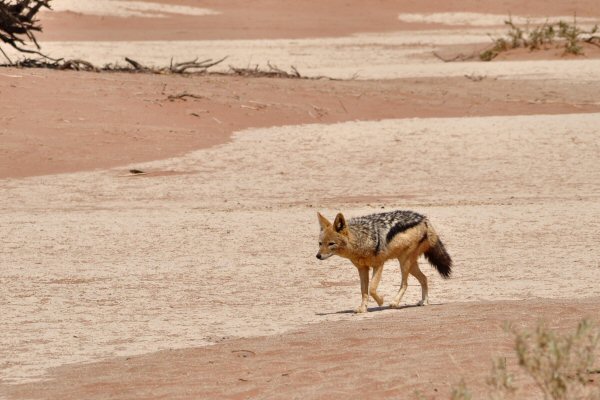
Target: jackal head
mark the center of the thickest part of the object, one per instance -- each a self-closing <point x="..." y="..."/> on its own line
<point x="333" y="238"/>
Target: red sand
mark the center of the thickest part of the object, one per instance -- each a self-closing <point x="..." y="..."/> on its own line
<point x="402" y="352"/>
<point x="270" y="19"/>
<point x="84" y="121"/>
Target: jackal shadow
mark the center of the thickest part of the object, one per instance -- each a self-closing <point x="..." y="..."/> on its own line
<point x="377" y="309"/>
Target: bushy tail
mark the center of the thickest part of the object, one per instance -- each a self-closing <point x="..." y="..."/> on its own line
<point x="439" y="258"/>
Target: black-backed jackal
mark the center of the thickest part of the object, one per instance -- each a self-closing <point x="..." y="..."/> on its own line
<point x="371" y="240"/>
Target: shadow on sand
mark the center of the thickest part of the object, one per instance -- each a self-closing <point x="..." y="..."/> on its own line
<point x="375" y="309"/>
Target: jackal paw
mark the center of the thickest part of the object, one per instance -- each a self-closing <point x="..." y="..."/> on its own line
<point x="361" y="309"/>
<point x="379" y="300"/>
<point x="423" y="303"/>
<point x="394" y="305"/>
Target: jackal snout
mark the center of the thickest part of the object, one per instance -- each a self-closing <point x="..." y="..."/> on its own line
<point x="323" y="257"/>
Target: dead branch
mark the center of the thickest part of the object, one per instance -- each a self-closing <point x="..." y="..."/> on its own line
<point x="296" y="71"/>
<point x="595" y="40"/>
<point x="193" y="67"/>
<point x="131" y="66"/>
<point x="458" y="57"/>
<point x="18" y="23"/>
<point x="272" y="72"/>
<point x="78" y="65"/>
<point x="182" y="67"/>
<point x="136" y="65"/>
<point x="183" y="95"/>
<point x="475" y="78"/>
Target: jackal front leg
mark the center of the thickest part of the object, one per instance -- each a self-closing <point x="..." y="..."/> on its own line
<point x="364" y="289"/>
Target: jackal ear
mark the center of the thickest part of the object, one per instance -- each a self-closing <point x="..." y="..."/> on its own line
<point x="340" y="223"/>
<point x="323" y="221"/>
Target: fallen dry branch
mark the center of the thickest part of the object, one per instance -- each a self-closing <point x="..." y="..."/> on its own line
<point x="18" y="23"/>
<point x="595" y="40"/>
<point x="183" y="95"/>
<point x="131" y="66"/>
<point x="193" y="67"/>
<point x="458" y="57"/>
<point x="78" y="65"/>
<point x="272" y="72"/>
<point x="135" y="65"/>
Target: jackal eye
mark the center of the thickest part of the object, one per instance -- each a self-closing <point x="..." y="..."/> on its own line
<point x="331" y="244"/>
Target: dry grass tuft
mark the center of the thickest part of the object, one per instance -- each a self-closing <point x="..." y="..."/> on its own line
<point x="559" y="34"/>
<point x="560" y="365"/>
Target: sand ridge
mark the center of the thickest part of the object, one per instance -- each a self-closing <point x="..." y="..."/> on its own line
<point x="125" y="9"/>
<point x="328" y="360"/>
<point x="481" y="19"/>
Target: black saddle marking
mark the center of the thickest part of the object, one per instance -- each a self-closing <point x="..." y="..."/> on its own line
<point x="401" y="227"/>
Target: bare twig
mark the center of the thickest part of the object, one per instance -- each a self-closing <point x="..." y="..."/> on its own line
<point x="193" y="67"/>
<point x="475" y="78"/>
<point x="183" y="95"/>
<point x="272" y="72"/>
<point x="136" y="65"/>
<point x="18" y="23"/>
<point x="458" y="57"/>
<point x="595" y="40"/>
<point x="78" y="65"/>
<point x="6" y="56"/>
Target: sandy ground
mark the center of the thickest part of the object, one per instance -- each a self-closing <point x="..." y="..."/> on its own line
<point x="106" y="120"/>
<point x="274" y="19"/>
<point x="426" y="351"/>
<point x="206" y="262"/>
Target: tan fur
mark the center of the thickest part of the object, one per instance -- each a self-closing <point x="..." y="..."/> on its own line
<point x="339" y="238"/>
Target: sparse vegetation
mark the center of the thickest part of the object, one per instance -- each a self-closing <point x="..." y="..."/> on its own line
<point x="561" y="365"/>
<point x="561" y="34"/>
<point x="500" y="381"/>
<point x="461" y="392"/>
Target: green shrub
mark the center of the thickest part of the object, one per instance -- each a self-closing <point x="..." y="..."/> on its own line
<point x="561" y="365"/>
<point x="561" y="33"/>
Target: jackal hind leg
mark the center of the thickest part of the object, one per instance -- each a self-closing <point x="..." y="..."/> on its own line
<point x="377" y="271"/>
<point x="405" y="266"/>
<point x="416" y="272"/>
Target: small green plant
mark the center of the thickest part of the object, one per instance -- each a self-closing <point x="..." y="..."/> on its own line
<point x="561" y="33"/>
<point x="571" y="34"/>
<point x="461" y="392"/>
<point x="561" y="365"/>
<point x="500" y="381"/>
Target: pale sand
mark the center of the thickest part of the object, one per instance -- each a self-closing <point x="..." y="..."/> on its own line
<point x="123" y="9"/>
<point x="96" y="264"/>
<point x="484" y="19"/>
<point x="388" y="56"/>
